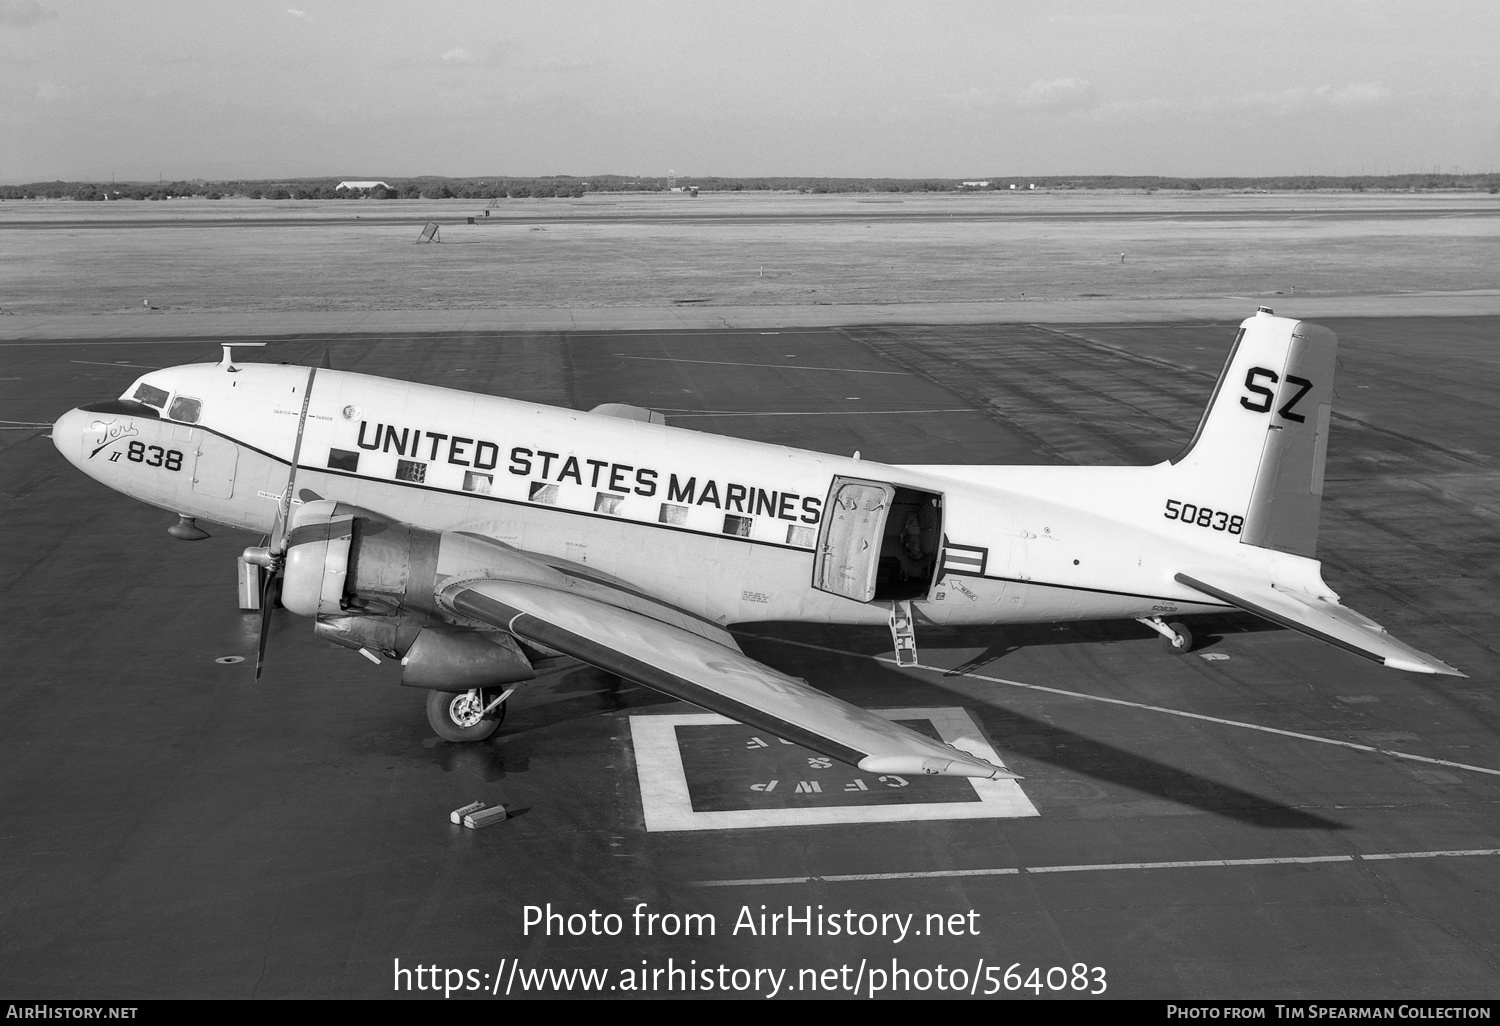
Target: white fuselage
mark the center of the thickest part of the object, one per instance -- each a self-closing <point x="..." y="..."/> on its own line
<point x="724" y="528"/>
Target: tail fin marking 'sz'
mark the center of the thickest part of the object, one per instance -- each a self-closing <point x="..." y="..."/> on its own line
<point x="1263" y="441"/>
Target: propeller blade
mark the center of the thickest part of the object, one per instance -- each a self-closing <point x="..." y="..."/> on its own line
<point x="284" y="508"/>
<point x="269" y="595"/>
<point x="278" y="542"/>
<point x="278" y="530"/>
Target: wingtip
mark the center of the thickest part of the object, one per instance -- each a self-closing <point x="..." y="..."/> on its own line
<point x="1426" y="665"/>
<point x="919" y="765"/>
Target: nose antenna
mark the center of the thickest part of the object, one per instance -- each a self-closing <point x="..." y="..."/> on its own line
<point x="228" y="362"/>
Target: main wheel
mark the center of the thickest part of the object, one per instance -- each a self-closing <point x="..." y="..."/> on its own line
<point x="1182" y="643"/>
<point x="460" y="715"/>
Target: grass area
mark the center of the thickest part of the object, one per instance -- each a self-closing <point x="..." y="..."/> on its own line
<point x="654" y="250"/>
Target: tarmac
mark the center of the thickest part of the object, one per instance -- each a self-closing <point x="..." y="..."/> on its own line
<point x="1266" y="817"/>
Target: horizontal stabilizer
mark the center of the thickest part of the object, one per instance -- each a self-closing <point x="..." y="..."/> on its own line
<point x="722" y="680"/>
<point x="1319" y="618"/>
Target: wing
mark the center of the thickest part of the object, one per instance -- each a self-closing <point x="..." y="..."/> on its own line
<point x="719" y="678"/>
<point x="1316" y="616"/>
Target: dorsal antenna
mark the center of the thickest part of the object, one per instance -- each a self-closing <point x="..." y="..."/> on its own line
<point x="228" y="362"/>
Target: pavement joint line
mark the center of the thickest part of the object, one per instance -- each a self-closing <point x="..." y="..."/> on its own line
<point x="1149" y="708"/>
<point x="938" y="874"/>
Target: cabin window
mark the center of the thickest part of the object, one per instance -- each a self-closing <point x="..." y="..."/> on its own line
<point x="343" y="459"/>
<point x="543" y="493"/>
<point x="738" y="526"/>
<point x="411" y="470"/>
<point x="604" y="502"/>
<point x="185" y="409"/>
<point x="483" y="484"/>
<point x="151" y="396"/>
<point x="805" y="537"/>
<point x="671" y="513"/>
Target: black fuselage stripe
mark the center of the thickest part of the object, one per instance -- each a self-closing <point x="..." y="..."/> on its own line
<point x="538" y="631"/>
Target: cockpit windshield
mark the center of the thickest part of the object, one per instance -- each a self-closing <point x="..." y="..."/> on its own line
<point x="180" y="408"/>
<point x="150" y="395"/>
<point x="185" y="409"/>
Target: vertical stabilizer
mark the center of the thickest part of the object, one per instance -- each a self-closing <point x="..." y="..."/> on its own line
<point x="1260" y="449"/>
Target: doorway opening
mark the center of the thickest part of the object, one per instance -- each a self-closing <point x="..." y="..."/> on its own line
<point x="879" y="542"/>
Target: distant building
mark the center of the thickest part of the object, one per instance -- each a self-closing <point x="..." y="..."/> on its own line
<point x="976" y="185"/>
<point x="362" y="185"/>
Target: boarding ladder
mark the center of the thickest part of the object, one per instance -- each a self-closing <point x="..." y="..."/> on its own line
<point x="903" y="633"/>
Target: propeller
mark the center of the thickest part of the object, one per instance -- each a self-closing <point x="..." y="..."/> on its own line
<point x="270" y="594"/>
<point x="271" y="556"/>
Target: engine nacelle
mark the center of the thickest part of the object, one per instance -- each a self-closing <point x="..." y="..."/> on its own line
<point x="372" y="584"/>
<point x="342" y="560"/>
<point x="451" y="659"/>
<point x="389" y="635"/>
<point x="345" y="561"/>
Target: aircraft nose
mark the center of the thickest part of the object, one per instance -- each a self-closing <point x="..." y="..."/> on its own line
<point x="68" y="432"/>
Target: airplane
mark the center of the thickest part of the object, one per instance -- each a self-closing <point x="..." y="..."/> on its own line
<point x="480" y="539"/>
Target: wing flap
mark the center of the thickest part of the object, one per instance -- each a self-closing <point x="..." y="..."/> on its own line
<point x="1319" y="618"/>
<point x="723" y="680"/>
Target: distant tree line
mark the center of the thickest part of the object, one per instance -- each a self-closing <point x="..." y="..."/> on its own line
<point x="501" y="188"/>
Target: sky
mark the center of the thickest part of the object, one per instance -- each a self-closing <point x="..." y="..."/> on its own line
<point x="183" y="89"/>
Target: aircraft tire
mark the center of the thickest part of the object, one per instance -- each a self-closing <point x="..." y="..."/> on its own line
<point x="452" y="718"/>
<point x="1184" y="636"/>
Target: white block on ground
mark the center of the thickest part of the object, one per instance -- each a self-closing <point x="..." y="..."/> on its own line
<point x="457" y="815"/>
<point x="484" y="817"/>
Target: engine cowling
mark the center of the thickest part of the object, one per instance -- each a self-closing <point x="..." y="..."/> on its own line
<point x="342" y="559"/>
<point x="317" y="563"/>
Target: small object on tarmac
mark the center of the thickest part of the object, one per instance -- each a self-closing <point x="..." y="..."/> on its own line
<point x="457" y="815"/>
<point x="484" y="817"/>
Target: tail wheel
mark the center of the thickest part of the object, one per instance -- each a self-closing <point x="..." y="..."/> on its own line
<point x="462" y="716"/>
<point x="1181" y="641"/>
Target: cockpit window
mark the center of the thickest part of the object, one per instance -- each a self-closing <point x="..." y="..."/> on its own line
<point x="185" y="409"/>
<point x="151" y="396"/>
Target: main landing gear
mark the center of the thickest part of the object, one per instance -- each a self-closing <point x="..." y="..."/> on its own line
<point x="471" y="715"/>
<point x="1175" y="637"/>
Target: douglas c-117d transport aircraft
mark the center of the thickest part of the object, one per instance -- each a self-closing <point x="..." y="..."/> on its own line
<point x="472" y="536"/>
